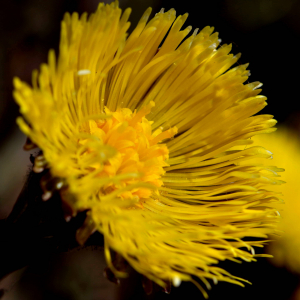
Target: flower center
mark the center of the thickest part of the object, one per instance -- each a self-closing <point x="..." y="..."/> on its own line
<point x="138" y="151"/>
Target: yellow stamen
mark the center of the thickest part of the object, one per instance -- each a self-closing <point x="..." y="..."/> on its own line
<point x="164" y="135"/>
<point x="143" y="112"/>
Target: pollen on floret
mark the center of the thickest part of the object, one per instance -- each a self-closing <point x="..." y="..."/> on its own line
<point x="176" y="281"/>
<point x="83" y="72"/>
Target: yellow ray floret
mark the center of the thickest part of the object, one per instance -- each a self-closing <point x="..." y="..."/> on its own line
<point x="153" y="137"/>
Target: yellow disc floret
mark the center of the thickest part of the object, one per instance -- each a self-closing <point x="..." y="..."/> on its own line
<point x="137" y="148"/>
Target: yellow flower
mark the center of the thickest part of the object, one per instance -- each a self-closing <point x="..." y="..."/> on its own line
<point x="286" y="147"/>
<point x="140" y="130"/>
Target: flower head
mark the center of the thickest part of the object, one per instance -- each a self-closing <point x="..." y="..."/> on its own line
<point x="141" y="132"/>
<point x="286" y="147"/>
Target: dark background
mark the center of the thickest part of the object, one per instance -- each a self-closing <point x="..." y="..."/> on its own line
<point x="266" y="32"/>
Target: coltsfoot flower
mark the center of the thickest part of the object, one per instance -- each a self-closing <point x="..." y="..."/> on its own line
<point x="140" y="131"/>
<point x="285" y="144"/>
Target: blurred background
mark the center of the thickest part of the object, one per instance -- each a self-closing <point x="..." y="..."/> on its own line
<point x="266" y="32"/>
